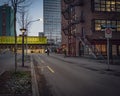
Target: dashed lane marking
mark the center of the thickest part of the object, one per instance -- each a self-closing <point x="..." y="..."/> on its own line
<point x="50" y="69"/>
<point x="42" y="62"/>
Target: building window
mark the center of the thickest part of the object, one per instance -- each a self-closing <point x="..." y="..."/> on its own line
<point x="107" y="5"/>
<point x="102" y="48"/>
<point x="114" y="24"/>
<point x="114" y="49"/>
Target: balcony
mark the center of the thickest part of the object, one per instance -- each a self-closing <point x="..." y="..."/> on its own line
<point x="77" y="21"/>
<point x="82" y="20"/>
<point x="66" y="13"/>
<point x="78" y="3"/>
<point x="66" y="32"/>
<point x="66" y="29"/>
<point x="68" y="1"/>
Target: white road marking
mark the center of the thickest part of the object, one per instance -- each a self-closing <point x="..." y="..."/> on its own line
<point x="42" y="61"/>
<point x="51" y="70"/>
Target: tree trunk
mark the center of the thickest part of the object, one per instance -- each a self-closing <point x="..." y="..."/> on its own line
<point x="15" y="48"/>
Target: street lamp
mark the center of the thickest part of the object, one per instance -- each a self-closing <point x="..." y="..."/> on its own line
<point x="27" y="31"/>
<point x="23" y="30"/>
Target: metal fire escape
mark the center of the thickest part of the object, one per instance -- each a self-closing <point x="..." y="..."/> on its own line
<point x="67" y="13"/>
<point x="92" y="50"/>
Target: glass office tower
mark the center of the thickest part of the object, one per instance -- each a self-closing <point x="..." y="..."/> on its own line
<point x="6" y="21"/>
<point x="52" y="20"/>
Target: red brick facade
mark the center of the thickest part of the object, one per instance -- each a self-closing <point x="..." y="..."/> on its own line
<point x="82" y="22"/>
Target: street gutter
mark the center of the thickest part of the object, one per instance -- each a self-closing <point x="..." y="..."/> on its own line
<point x="35" y="91"/>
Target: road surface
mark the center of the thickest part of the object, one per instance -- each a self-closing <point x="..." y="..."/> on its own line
<point x="71" y="79"/>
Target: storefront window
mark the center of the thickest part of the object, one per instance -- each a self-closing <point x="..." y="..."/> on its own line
<point x="101" y="49"/>
<point x="114" y="49"/>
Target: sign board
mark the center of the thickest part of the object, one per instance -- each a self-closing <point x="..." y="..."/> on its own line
<point x="108" y="26"/>
<point x="108" y="32"/>
<point x="29" y="40"/>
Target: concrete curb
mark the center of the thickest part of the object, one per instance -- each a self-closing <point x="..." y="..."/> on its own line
<point x="35" y="91"/>
<point x="2" y="72"/>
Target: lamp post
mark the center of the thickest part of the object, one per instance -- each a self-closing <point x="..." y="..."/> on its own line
<point x="23" y="30"/>
<point x="27" y="31"/>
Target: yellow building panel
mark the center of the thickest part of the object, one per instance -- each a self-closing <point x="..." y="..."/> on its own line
<point x="29" y="40"/>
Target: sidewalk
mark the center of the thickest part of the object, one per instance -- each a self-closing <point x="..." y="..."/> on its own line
<point x="91" y="64"/>
<point x="7" y="63"/>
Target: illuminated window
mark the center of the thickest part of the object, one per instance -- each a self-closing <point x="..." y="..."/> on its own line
<point x="107" y="5"/>
<point x="101" y="48"/>
<point x="114" y="51"/>
<point x="118" y="25"/>
<point x="112" y="23"/>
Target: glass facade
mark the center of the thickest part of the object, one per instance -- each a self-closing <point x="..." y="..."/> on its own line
<point x="107" y="5"/>
<point x="52" y="19"/>
<point x="6" y="21"/>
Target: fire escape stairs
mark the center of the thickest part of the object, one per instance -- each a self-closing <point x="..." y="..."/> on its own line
<point x="94" y="51"/>
<point x="78" y="3"/>
<point x="66" y="13"/>
<point x="68" y="1"/>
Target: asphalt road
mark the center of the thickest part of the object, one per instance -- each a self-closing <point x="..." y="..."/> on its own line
<point x="70" y="79"/>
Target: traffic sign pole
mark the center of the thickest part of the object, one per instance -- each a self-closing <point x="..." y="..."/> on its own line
<point x="108" y="35"/>
<point x="108" y="55"/>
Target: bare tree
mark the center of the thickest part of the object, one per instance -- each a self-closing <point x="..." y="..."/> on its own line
<point x="24" y="22"/>
<point x="16" y="5"/>
<point x="24" y="18"/>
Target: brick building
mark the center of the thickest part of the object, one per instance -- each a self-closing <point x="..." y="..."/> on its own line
<point x="83" y="27"/>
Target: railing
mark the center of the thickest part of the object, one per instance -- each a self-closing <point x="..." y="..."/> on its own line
<point x="94" y="51"/>
<point x="68" y="1"/>
<point x="78" y="3"/>
<point x="75" y="2"/>
<point x="66" y="13"/>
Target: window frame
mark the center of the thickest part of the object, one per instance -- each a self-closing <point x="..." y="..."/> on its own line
<point x="105" y="22"/>
<point x="104" y="7"/>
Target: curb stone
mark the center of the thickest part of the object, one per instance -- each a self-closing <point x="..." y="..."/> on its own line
<point x="35" y="91"/>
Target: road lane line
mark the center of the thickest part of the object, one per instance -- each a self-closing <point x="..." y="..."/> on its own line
<point x="51" y="70"/>
<point x="42" y="61"/>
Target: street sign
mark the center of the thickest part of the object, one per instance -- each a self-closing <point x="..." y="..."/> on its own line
<point x="108" y="32"/>
<point x="108" y="26"/>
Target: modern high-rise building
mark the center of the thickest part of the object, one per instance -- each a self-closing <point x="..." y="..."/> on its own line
<point x="6" y="21"/>
<point x="52" y="20"/>
<point x="85" y="24"/>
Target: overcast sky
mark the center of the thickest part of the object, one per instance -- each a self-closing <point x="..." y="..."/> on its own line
<point x="36" y="12"/>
